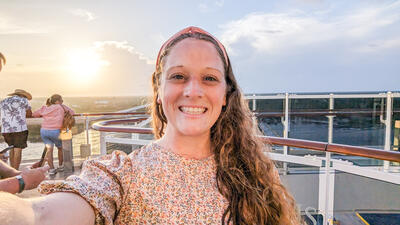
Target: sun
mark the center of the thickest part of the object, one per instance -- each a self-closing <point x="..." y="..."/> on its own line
<point x="84" y="63"/>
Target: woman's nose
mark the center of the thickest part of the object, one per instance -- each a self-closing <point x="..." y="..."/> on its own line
<point x="193" y="88"/>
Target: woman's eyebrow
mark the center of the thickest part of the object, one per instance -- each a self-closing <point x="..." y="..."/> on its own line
<point x="182" y="66"/>
<point x="174" y="67"/>
<point x="215" y="69"/>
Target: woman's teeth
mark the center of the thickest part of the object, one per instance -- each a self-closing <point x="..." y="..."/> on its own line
<point x="193" y="110"/>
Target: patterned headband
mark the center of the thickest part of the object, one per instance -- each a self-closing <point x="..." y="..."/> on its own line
<point x="187" y="31"/>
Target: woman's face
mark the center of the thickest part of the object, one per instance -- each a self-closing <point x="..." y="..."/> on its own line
<point x="193" y="87"/>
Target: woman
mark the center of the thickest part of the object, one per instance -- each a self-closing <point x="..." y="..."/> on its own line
<point x="53" y="115"/>
<point x="207" y="165"/>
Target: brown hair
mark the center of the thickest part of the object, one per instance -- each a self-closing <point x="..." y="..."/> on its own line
<point x="246" y="177"/>
<point x="53" y="99"/>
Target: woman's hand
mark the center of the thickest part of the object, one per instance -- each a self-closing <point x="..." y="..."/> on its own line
<point x="33" y="177"/>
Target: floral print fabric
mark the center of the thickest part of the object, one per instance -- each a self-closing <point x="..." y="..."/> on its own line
<point x="151" y="185"/>
<point x="13" y="114"/>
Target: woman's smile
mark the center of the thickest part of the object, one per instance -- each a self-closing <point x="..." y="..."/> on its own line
<point x="193" y="110"/>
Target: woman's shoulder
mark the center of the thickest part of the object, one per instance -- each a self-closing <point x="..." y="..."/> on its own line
<point x="118" y="159"/>
<point x="65" y="107"/>
<point x="44" y="110"/>
<point x="145" y="153"/>
<point x="51" y="108"/>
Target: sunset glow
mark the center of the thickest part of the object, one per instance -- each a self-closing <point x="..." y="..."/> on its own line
<point x="84" y="63"/>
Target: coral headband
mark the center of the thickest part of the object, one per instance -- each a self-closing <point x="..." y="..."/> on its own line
<point x="187" y="31"/>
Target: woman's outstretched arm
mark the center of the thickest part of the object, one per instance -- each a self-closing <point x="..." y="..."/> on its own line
<point x="59" y="208"/>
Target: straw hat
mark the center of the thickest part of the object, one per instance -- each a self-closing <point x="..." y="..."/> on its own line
<point x="21" y="92"/>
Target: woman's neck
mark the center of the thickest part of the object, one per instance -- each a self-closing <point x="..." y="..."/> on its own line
<point x="192" y="147"/>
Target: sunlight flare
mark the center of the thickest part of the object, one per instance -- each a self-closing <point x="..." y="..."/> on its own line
<point x="85" y="63"/>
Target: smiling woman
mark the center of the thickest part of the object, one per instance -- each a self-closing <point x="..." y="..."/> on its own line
<point x="84" y="63"/>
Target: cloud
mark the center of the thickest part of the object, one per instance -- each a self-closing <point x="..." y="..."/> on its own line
<point x="89" y="16"/>
<point x="129" y="71"/>
<point x="379" y="45"/>
<point x="123" y="45"/>
<point x="219" y="3"/>
<point x="310" y="1"/>
<point x="8" y="26"/>
<point x="277" y="32"/>
<point x="207" y="6"/>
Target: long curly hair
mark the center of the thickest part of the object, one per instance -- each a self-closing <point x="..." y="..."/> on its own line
<point x="245" y="175"/>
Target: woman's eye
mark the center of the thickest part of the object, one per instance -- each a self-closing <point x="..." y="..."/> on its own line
<point x="177" y="77"/>
<point x="210" y="78"/>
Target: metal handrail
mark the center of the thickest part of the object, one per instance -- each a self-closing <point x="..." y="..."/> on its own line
<point x="110" y="114"/>
<point x="320" y="112"/>
<point x="394" y="94"/>
<point x="336" y="148"/>
<point x="312" y="112"/>
<point x="103" y="126"/>
<point x="314" y="145"/>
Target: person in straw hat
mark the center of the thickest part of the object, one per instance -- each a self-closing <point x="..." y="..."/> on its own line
<point x="13" y="112"/>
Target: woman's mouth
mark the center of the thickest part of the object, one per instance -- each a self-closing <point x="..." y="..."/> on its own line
<point x="192" y="110"/>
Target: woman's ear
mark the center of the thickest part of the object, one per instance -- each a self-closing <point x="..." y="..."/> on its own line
<point x="158" y="99"/>
<point x="224" y="103"/>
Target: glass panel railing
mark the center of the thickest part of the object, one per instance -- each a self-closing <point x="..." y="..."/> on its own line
<point x="355" y="121"/>
<point x="270" y="114"/>
<point x="307" y="120"/>
<point x="360" y="122"/>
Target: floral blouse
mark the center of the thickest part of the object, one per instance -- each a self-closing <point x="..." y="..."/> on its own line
<point x="13" y="114"/>
<point x="151" y="185"/>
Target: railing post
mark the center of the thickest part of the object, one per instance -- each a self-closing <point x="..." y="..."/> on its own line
<point x="103" y="144"/>
<point x="329" y="191"/>
<point x="254" y="102"/>
<point x="87" y="129"/>
<point x="388" y="127"/>
<point x="86" y="148"/>
<point x="253" y="108"/>
<point x="68" y="156"/>
<point x="330" y="119"/>
<point x="286" y="129"/>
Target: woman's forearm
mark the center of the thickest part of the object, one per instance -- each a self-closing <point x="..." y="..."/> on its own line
<point x="72" y="208"/>
<point x="15" y="210"/>
<point x="53" y="209"/>
<point x="7" y="171"/>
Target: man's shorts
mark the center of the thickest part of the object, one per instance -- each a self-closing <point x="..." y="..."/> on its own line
<point x="50" y="137"/>
<point x="18" y="139"/>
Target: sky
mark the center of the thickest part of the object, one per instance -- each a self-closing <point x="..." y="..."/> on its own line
<point x="109" y="47"/>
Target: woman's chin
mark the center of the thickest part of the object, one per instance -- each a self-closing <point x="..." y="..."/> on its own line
<point x="193" y="131"/>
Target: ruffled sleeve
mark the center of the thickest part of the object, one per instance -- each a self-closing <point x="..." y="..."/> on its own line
<point x="103" y="183"/>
